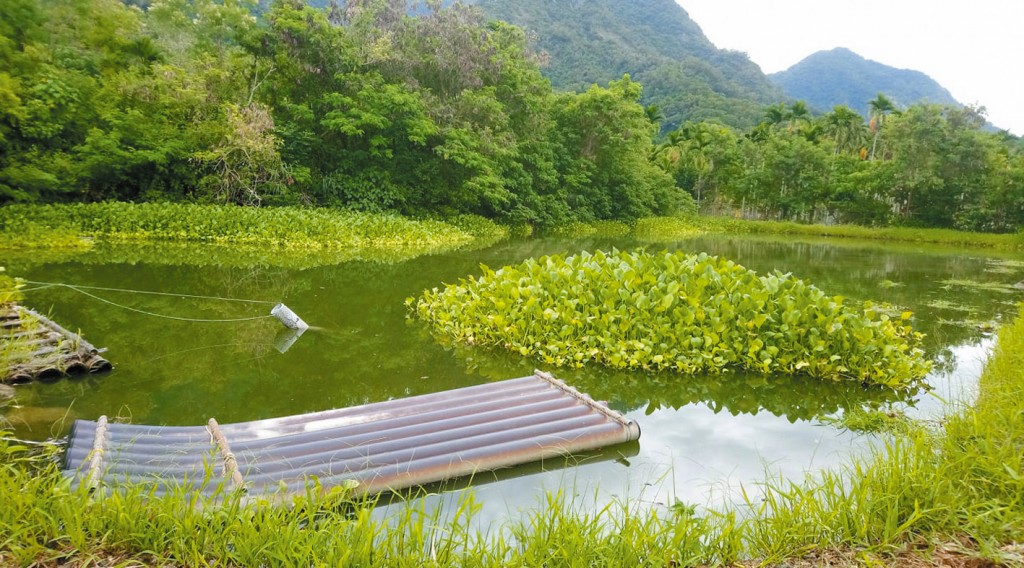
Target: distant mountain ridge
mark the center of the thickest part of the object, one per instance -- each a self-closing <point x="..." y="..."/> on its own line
<point x="656" y="42"/>
<point x="841" y="77"/>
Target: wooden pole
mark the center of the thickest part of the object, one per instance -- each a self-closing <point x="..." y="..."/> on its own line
<point x="230" y="463"/>
<point x="99" y="446"/>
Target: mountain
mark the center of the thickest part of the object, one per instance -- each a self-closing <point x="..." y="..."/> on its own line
<point x="656" y="42"/>
<point x="841" y="77"/>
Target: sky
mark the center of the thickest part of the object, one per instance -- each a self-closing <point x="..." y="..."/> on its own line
<point x="975" y="49"/>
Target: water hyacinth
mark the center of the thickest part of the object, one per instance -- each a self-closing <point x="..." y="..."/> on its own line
<point x="285" y="228"/>
<point x="674" y="311"/>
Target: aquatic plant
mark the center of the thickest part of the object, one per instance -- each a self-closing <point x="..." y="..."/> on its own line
<point x="26" y="235"/>
<point x="611" y="228"/>
<point x="947" y="237"/>
<point x="521" y="231"/>
<point x="665" y="229"/>
<point x="479" y="227"/>
<point x="673" y="311"/>
<point x="1000" y="287"/>
<point x="293" y="228"/>
<point x="575" y="229"/>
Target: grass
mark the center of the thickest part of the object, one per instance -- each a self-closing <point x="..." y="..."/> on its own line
<point x="874" y="420"/>
<point x="963" y="484"/>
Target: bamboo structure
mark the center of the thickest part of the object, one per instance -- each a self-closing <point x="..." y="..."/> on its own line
<point x="37" y="348"/>
<point x="373" y="448"/>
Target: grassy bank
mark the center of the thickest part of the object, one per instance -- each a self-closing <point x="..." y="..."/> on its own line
<point x="958" y="490"/>
<point x="660" y="229"/>
<point x="930" y="494"/>
<point x="948" y="237"/>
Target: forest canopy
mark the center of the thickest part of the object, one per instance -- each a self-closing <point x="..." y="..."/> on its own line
<point x="428" y="109"/>
<point x="359" y="106"/>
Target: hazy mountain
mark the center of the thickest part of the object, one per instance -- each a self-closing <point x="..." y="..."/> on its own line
<point x="656" y="42"/>
<point x="841" y="77"/>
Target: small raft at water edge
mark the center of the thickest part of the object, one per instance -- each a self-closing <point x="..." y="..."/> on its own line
<point x="384" y="446"/>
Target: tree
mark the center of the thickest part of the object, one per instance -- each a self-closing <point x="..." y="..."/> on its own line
<point x="606" y="140"/>
<point x="702" y="157"/>
<point x="846" y="129"/>
<point x="247" y="163"/>
<point x="878" y="109"/>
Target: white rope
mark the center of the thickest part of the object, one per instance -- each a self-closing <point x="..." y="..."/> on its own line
<point x="144" y="312"/>
<point x="79" y="287"/>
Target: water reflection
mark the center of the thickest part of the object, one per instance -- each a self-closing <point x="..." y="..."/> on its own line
<point x="737" y="392"/>
<point x="702" y="436"/>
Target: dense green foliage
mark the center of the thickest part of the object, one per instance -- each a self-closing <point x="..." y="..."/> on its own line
<point x="926" y="166"/>
<point x="684" y="75"/>
<point x="840" y="77"/>
<point x="669" y="311"/>
<point x="363" y="107"/>
<point x="305" y="229"/>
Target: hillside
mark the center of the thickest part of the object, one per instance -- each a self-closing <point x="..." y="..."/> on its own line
<point x="656" y="42"/>
<point x="841" y="77"/>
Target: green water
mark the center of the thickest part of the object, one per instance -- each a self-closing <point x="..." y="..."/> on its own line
<point x="702" y="436"/>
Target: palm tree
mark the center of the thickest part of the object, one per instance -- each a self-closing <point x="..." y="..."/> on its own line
<point x="846" y="128"/>
<point x="654" y="114"/>
<point x="878" y="109"/>
<point x="776" y="114"/>
<point x="798" y="114"/>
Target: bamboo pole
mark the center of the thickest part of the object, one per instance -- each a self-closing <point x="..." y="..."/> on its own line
<point x="230" y="463"/>
<point x="74" y="337"/>
<point x="98" y="449"/>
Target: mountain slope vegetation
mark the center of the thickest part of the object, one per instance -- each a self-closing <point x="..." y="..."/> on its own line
<point x="841" y="77"/>
<point x="656" y="42"/>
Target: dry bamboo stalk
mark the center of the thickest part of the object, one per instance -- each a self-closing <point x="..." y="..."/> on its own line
<point x="230" y="463"/>
<point x="98" y="448"/>
<point x="49" y="339"/>
<point x="74" y="337"/>
<point x="39" y="331"/>
<point x="55" y="359"/>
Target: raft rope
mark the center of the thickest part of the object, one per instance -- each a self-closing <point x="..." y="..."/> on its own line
<point x="82" y="290"/>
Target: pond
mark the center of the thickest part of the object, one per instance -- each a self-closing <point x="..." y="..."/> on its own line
<point x="703" y="437"/>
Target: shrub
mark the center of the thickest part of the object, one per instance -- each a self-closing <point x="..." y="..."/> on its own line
<point x="672" y="311"/>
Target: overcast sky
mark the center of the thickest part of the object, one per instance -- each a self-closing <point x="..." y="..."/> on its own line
<point x="975" y="48"/>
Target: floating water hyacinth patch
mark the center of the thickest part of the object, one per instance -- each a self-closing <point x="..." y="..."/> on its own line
<point x="1002" y="287"/>
<point x="674" y="311"/>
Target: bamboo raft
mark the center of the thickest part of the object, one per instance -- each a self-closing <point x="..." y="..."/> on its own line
<point x="40" y="349"/>
<point x="371" y="449"/>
